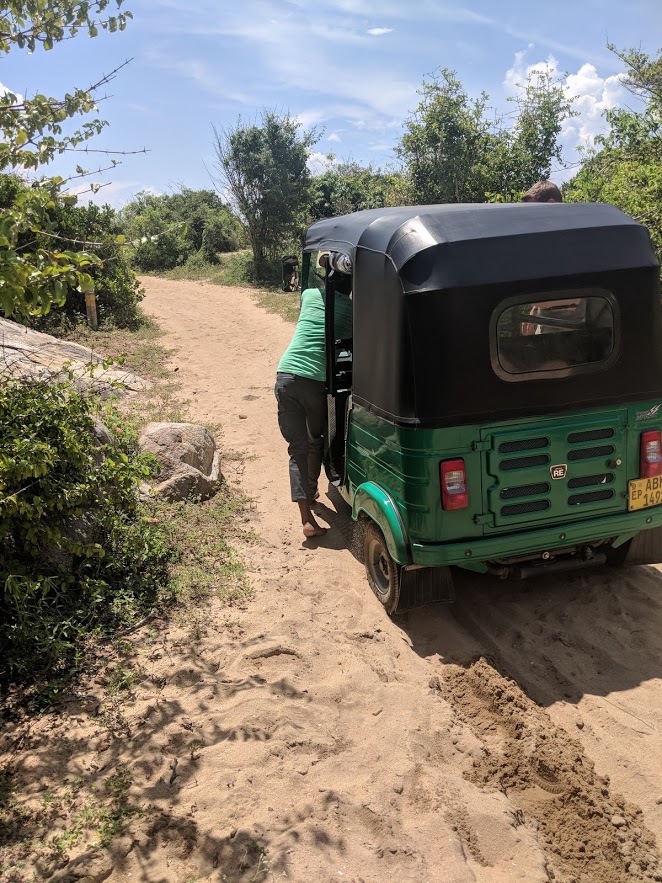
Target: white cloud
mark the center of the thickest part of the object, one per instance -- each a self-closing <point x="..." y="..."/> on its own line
<point x="340" y="73"/>
<point x="379" y="32"/>
<point x="518" y="73"/>
<point x="318" y="163"/>
<point x="200" y="73"/>
<point x="5" y="90"/>
<point x="589" y="93"/>
<point x="592" y="95"/>
<point x="334" y="136"/>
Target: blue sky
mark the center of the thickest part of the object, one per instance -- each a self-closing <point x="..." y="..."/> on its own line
<point x="350" y="67"/>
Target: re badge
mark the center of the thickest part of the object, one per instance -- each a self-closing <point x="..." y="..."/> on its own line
<point x="559" y="471"/>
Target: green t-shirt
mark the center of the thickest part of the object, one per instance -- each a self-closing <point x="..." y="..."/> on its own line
<point x="305" y="356"/>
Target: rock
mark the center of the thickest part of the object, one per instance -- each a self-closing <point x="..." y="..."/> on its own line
<point x="31" y="354"/>
<point x="188" y="459"/>
<point x="102" y="434"/>
<point x="91" y="867"/>
<point x="618" y="821"/>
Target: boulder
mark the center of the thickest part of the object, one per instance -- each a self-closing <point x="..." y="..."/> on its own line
<point x="91" y="867"/>
<point x="189" y="462"/>
<point x="25" y="353"/>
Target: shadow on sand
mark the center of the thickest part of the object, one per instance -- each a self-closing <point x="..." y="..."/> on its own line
<point x="561" y="637"/>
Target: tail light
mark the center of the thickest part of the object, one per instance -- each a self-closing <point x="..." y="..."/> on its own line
<point x="454" y="485"/>
<point x="651" y="454"/>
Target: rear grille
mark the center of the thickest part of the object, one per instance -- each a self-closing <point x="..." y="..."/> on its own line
<point x="589" y="453"/>
<point x="590" y="435"/>
<point x="523" y="508"/>
<point x="524" y="485"/>
<point x="525" y="490"/>
<point x="523" y="444"/>
<point x="524" y="462"/>
<point x="589" y="480"/>
<point x="590" y="497"/>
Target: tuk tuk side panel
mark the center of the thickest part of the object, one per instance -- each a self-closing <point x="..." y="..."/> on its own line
<point x="405" y="462"/>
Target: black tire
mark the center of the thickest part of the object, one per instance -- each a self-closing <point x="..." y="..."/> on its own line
<point x="382" y="571"/>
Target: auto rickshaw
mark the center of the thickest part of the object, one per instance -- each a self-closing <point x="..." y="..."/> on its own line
<point x="499" y="407"/>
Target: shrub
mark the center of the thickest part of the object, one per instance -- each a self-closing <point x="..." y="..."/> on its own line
<point x="169" y="228"/>
<point x="118" y="291"/>
<point x="76" y="553"/>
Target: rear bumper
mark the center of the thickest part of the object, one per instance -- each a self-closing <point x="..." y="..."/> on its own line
<point x="562" y="535"/>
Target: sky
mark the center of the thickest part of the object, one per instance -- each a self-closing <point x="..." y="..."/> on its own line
<point x="350" y="68"/>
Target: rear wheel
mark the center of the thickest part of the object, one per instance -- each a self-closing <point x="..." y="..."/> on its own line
<point x="645" y="548"/>
<point x="382" y="571"/>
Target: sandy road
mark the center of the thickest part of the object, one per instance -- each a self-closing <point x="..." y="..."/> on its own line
<point x="514" y="736"/>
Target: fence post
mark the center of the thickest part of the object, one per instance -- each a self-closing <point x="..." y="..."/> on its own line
<point x="91" y="310"/>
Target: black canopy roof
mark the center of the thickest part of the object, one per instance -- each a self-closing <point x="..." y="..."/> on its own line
<point x="435" y="247"/>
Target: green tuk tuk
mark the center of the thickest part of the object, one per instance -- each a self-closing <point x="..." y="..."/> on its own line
<point x="499" y="407"/>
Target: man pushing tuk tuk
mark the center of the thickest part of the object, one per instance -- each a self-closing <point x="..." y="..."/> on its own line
<point x="301" y="391"/>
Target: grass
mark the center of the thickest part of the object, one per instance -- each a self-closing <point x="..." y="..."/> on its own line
<point x="102" y="816"/>
<point x="94" y="815"/>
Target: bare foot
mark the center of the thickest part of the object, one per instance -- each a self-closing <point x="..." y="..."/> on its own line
<point x="313" y="530"/>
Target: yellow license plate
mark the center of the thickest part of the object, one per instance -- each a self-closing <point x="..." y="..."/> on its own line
<point x="644" y="493"/>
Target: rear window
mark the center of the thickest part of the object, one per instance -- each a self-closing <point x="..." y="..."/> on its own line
<point x="554" y="334"/>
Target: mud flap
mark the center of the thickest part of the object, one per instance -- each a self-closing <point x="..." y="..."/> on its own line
<point x="646" y="547"/>
<point x="425" y="585"/>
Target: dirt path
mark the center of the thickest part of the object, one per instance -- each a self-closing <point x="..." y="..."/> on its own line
<point x="515" y="736"/>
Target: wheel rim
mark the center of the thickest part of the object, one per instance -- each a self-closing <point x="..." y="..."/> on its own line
<point x="379" y="567"/>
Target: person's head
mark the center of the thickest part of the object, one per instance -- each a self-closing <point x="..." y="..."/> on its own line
<point x="543" y="191"/>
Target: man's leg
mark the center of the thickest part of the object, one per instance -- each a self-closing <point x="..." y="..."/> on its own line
<point x="293" y="426"/>
<point x="315" y="417"/>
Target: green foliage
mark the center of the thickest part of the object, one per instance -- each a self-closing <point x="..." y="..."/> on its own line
<point x="168" y="229"/>
<point x="97" y="230"/>
<point x="263" y="167"/>
<point x="455" y="151"/>
<point x="625" y="167"/>
<point x="43" y="23"/>
<point x="350" y="187"/>
<point x="117" y="289"/>
<point x="36" y="275"/>
<point x="231" y="268"/>
<point x="76" y="552"/>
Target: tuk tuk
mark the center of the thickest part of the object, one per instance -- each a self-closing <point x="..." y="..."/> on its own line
<point x="499" y="406"/>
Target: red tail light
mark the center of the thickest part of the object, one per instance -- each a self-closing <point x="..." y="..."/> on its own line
<point x="651" y="454"/>
<point x="454" y="493"/>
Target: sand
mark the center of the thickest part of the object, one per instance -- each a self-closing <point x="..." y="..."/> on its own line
<point x="512" y="736"/>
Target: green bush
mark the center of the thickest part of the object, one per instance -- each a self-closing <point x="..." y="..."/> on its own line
<point x="118" y="291"/>
<point x="168" y="229"/>
<point x="77" y="554"/>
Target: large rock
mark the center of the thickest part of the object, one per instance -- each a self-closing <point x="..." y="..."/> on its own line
<point x="190" y="463"/>
<point x="31" y="354"/>
<point x="91" y="867"/>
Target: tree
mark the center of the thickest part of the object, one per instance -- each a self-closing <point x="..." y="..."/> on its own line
<point x="455" y="151"/>
<point x="33" y="274"/>
<point x="349" y="187"/>
<point x="263" y="169"/>
<point x="625" y="166"/>
<point x="169" y="227"/>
